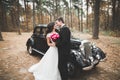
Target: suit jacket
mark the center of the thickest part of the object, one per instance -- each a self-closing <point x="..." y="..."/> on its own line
<point x="63" y="43"/>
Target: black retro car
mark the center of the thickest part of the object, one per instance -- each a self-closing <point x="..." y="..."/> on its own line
<point x="84" y="54"/>
<point x="37" y="42"/>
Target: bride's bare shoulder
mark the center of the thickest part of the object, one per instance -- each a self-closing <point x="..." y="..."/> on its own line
<point x="48" y="35"/>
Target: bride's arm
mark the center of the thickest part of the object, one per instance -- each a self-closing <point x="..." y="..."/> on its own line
<point x="49" y="42"/>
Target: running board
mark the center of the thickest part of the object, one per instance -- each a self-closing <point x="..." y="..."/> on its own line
<point x="38" y="51"/>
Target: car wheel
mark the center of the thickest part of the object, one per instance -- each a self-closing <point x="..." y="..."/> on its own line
<point x="29" y="49"/>
<point x="71" y="69"/>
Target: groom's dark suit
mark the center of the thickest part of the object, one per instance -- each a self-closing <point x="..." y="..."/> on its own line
<point x="63" y="45"/>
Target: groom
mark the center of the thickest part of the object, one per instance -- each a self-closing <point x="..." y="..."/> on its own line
<point x="63" y="45"/>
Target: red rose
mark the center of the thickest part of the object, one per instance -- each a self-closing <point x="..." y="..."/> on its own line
<point x="55" y="36"/>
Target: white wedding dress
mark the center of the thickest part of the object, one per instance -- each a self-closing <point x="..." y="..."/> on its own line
<point x="47" y="67"/>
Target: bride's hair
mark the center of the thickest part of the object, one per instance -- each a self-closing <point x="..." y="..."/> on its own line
<point x="50" y="27"/>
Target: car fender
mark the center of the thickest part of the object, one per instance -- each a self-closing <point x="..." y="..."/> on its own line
<point x="30" y="42"/>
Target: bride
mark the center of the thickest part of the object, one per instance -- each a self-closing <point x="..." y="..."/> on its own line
<point x="47" y="67"/>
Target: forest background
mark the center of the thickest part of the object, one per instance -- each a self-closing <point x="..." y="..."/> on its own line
<point x="92" y="16"/>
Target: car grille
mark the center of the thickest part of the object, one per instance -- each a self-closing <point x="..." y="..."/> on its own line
<point x="87" y="50"/>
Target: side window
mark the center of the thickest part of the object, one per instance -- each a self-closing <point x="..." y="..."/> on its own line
<point x="37" y="32"/>
<point x="44" y="31"/>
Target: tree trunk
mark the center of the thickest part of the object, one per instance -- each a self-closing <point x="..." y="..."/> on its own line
<point x="56" y="9"/>
<point x="34" y="23"/>
<point x="108" y="16"/>
<point x="96" y="19"/>
<point x="78" y="19"/>
<point x="41" y="12"/>
<point x="13" y="18"/>
<point x="18" y="15"/>
<point x="26" y="6"/>
<point x="118" y="16"/>
<point x="38" y="16"/>
<point x="105" y="19"/>
<point x="87" y="14"/>
<point x="113" y="15"/>
<point x="1" y="38"/>
<point x="3" y="17"/>
<point x="71" y="12"/>
<point x="92" y="16"/>
<point x="81" y="16"/>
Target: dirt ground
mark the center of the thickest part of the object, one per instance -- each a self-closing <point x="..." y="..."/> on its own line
<point x="15" y="61"/>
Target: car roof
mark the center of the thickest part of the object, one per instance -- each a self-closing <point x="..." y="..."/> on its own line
<point x="41" y="26"/>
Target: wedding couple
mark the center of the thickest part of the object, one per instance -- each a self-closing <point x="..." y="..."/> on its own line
<point x="53" y="65"/>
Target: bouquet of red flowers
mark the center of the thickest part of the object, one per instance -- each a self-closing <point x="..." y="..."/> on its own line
<point x="54" y="36"/>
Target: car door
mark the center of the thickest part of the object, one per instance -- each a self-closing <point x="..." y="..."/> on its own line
<point x="40" y="40"/>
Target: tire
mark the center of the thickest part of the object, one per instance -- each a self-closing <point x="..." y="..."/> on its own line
<point x="71" y="69"/>
<point x="29" y="49"/>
